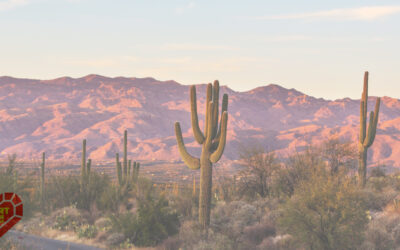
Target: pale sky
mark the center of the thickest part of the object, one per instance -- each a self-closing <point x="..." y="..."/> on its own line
<point x="319" y="47"/>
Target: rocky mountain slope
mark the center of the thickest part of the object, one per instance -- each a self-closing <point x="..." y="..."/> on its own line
<point x="55" y="115"/>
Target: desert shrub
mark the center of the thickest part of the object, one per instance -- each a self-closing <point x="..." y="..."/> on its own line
<point x="325" y="212"/>
<point x="296" y="169"/>
<point x="93" y="191"/>
<point x="24" y="187"/>
<point x="190" y="233"/>
<point x="240" y="223"/>
<point x="379" y="171"/>
<point x="227" y="189"/>
<point x="184" y="203"/>
<point x="256" y="233"/>
<point x="62" y="191"/>
<point x="115" y="239"/>
<point x="68" y="218"/>
<point x="382" y="231"/>
<point x="216" y="241"/>
<point x="258" y="170"/>
<point x="171" y="243"/>
<point x="86" y="231"/>
<point x="373" y="200"/>
<point x="280" y="242"/>
<point x="103" y="224"/>
<point x="378" y="183"/>
<point x="109" y="200"/>
<point x="156" y="222"/>
<point x="340" y="155"/>
<point x="153" y="222"/>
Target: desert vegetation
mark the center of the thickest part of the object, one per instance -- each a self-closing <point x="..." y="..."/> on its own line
<point x="310" y="199"/>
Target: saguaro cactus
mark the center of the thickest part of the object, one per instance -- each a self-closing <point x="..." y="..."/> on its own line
<point x="119" y="170"/>
<point x="366" y="137"/>
<point x="85" y="167"/>
<point x="213" y="141"/>
<point x="125" y="161"/>
<point x="42" y="166"/>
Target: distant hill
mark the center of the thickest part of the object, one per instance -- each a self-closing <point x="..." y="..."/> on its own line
<point x="55" y="115"/>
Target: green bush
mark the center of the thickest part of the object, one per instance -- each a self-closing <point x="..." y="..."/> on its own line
<point x="24" y="187"/>
<point x="64" y="191"/>
<point x="153" y="222"/>
<point x="65" y="222"/>
<point x="325" y="212"/>
<point x="87" y="231"/>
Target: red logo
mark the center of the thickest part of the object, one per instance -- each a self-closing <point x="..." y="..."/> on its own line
<point x="11" y="211"/>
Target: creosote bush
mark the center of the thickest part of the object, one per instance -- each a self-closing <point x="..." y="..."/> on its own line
<point x="325" y="212"/>
<point x="152" y="223"/>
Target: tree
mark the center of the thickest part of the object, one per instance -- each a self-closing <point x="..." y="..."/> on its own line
<point x="259" y="168"/>
<point x="296" y="169"/>
<point x="338" y="154"/>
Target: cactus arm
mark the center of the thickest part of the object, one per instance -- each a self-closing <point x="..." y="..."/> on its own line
<point x="362" y="123"/>
<point x="376" y="117"/>
<point x="198" y="135"/>
<point x="218" y="152"/>
<point x="365" y="92"/>
<point x="215" y="109"/>
<point x="223" y="108"/>
<point x="190" y="161"/>
<point x="89" y="164"/>
<point x="367" y="140"/>
<point x="208" y="100"/>
<point x="373" y="123"/>
<point x="209" y="122"/>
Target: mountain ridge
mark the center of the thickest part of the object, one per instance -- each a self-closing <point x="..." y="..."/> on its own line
<point x="55" y="115"/>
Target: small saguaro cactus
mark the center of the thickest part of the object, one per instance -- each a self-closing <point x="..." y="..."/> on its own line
<point x="85" y="167"/>
<point x="366" y="137"/>
<point x="42" y="166"/>
<point x="119" y="170"/>
<point x="213" y="141"/>
<point x="125" y="161"/>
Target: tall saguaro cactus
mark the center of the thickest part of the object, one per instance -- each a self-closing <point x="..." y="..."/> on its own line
<point x="367" y="136"/>
<point x="213" y="141"/>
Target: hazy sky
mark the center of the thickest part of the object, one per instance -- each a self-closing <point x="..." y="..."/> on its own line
<point x="319" y="47"/>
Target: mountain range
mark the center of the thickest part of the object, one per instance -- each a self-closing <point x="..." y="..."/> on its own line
<point x="56" y="115"/>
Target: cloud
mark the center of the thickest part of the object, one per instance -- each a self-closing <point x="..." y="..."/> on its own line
<point x="288" y="38"/>
<point x="196" y="47"/>
<point x="11" y="4"/>
<point x="366" y="13"/>
<point x="182" y="9"/>
<point x="95" y="63"/>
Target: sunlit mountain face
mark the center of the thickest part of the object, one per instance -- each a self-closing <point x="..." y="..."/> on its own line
<point x="55" y="115"/>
